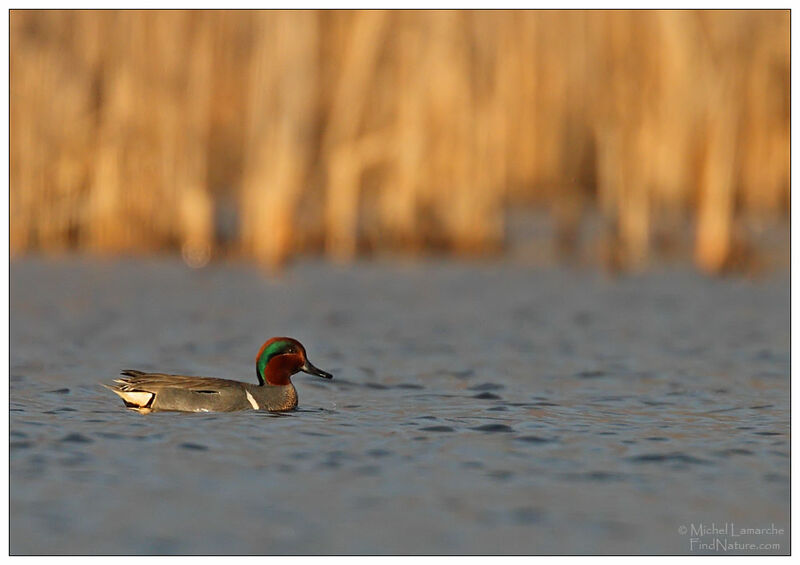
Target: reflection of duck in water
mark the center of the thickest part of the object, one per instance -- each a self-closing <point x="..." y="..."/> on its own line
<point x="278" y="359"/>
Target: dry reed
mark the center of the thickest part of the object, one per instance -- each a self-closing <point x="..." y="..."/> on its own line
<point x="356" y="131"/>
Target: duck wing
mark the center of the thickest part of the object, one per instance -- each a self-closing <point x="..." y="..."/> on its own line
<point x="133" y="380"/>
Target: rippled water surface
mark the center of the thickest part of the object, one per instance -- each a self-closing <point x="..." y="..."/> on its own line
<point x="476" y="408"/>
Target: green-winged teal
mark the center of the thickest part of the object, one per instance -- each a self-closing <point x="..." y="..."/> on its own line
<point x="278" y="359"/>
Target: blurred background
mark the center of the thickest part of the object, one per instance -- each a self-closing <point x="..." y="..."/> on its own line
<point x="616" y="138"/>
<point x="524" y="403"/>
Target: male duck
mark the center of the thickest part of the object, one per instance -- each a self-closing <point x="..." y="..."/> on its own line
<point x="278" y="359"/>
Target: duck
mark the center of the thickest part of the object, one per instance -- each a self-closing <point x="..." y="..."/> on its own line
<point x="277" y="360"/>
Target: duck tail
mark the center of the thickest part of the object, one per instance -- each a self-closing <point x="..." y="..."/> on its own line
<point x="138" y="400"/>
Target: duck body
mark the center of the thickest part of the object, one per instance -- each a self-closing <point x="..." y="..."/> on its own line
<point x="278" y="359"/>
<point x="154" y="392"/>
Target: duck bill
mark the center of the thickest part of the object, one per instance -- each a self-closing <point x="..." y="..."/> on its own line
<point x="312" y="370"/>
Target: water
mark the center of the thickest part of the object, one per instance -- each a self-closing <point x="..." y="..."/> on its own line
<point x="476" y="408"/>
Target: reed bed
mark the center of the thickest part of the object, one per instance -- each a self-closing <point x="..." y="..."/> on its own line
<point x="353" y="132"/>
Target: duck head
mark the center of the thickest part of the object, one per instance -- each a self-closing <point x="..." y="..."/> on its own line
<point x="280" y="358"/>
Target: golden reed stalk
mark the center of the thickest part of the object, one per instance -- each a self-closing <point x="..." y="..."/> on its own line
<point x="348" y="132"/>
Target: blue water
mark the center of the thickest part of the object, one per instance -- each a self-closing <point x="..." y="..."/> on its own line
<point x="476" y="408"/>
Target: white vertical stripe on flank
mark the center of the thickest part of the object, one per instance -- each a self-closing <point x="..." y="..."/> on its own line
<point x="251" y="400"/>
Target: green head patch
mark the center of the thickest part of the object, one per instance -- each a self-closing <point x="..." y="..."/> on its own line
<point x="273" y="348"/>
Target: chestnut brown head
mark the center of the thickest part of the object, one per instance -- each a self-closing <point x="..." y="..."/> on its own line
<point x="280" y="358"/>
